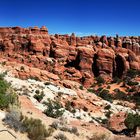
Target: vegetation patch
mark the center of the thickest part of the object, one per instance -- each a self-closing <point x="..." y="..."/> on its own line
<point x="7" y="94"/>
<point x="132" y="121"/>
<point x="54" y="109"/>
<point x="33" y="127"/>
<point x="39" y="96"/>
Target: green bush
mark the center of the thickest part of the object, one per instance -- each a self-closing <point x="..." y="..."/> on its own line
<point x="136" y="98"/>
<point x="22" y="68"/>
<point x="117" y="80"/>
<point x="107" y="107"/>
<point x="105" y="121"/>
<point x="120" y="95"/>
<point x="3" y="85"/>
<point x="47" y="83"/>
<point x="3" y="63"/>
<point x="37" y="91"/>
<point x="99" y="89"/>
<point x="54" y="109"/>
<point x="132" y="122"/>
<point x="107" y="114"/>
<point x="68" y="106"/>
<point x="91" y="90"/>
<point x="5" y="100"/>
<point x="132" y="83"/>
<point x="105" y="95"/>
<point x="100" y="80"/>
<point x="7" y="95"/>
<point x="81" y="87"/>
<point x="132" y="73"/>
<point x="35" y="129"/>
<point x="39" y="96"/>
<point x="108" y="87"/>
<point x="130" y="90"/>
<point x="34" y="78"/>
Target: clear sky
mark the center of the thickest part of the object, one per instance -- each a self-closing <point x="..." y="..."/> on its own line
<point x="84" y="17"/>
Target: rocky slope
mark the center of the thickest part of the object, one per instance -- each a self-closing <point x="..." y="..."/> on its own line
<point x="86" y="111"/>
<point x="74" y="58"/>
<point x="75" y="77"/>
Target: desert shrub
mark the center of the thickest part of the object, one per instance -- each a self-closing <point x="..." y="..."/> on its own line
<point x="61" y="124"/>
<point x="132" y="73"/>
<point x="99" y="137"/>
<point x="74" y="98"/>
<point x="74" y="130"/>
<point x="132" y="121"/>
<point x="105" y="95"/>
<point x="13" y="120"/>
<point x="22" y="68"/>
<point x="34" y="78"/>
<point x="99" y="89"/>
<point x="61" y="136"/>
<point x="49" y="132"/>
<point x="55" y="125"/>
<point x="85" y="109"/>
<point x="105" y="121"/>
<point x="130" y="90"/>
<point x="60" y="94"/>
<point x="91" y="90"/>
<point x="47" y="83"/>
<point x="107" y="107"/>
<point x="132" y="83"/>
<point x="35" y="129"/>
<point x="68" y="106"/>
<point x="78" y="117"/>
<point x="107" y="114"/>
<point x="136" y="98"/>
<point x="3" y="85"/>
<point x="7" y="95"/>
<point x="100" y="80"/>
<point x="4" y="101"/>
<point x="120" y="95"/>
<point x="54" y="109"/>
<point x="7" y="99"/>
<point x="81" y="87"/>
<point x="3" y="63"/>
<point x="108" y="87"/>
<point x="117" y="80"/>
<point x="37" y="91"/>
<point x="39" y="96"/>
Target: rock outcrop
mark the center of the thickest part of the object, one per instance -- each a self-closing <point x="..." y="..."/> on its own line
<point x="75" y="58"/>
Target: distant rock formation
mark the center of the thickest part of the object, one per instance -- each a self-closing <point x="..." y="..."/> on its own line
<point x="76" y="58"/>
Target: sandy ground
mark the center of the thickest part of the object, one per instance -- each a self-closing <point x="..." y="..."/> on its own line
<point x="29" y="110"/>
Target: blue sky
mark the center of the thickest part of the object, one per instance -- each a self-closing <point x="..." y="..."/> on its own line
<point x="84" y="17"/>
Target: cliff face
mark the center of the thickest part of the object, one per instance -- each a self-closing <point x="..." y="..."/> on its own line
<point x="76" y="58"/>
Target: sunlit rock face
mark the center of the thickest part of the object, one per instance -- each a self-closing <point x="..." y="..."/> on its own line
<point x="76" y="58"/>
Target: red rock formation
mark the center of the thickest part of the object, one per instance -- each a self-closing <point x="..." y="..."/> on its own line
<point x="116" y="122"/>
<point x="70" y="57"/>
